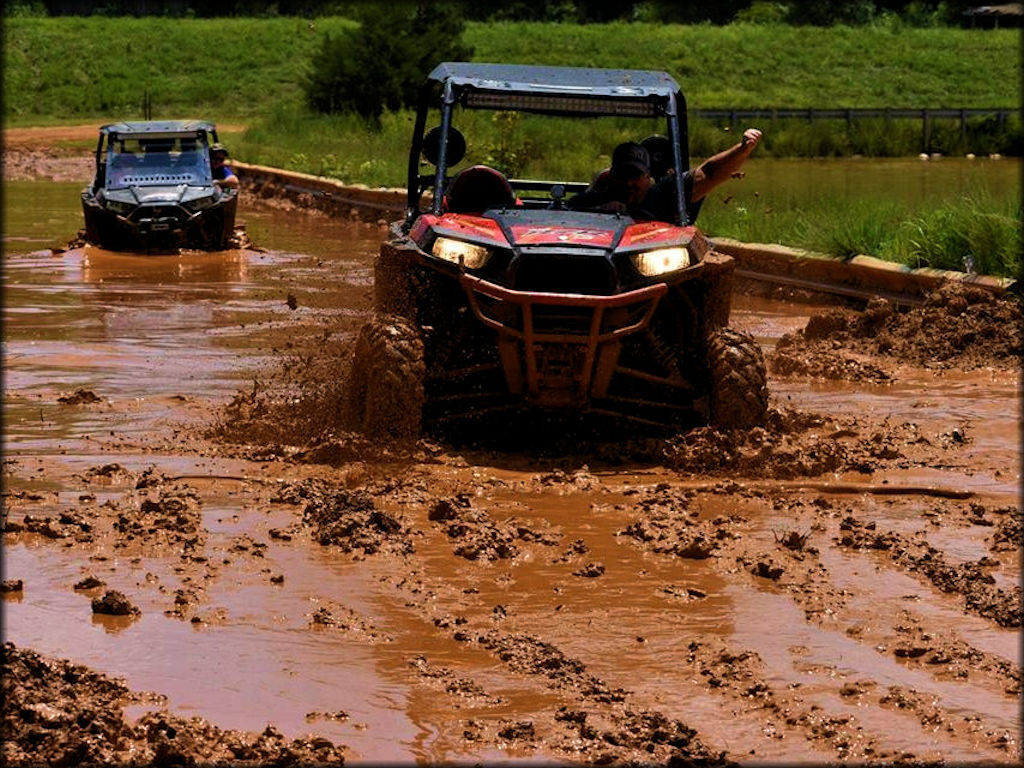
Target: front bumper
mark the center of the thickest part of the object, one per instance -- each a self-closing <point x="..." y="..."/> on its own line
<point x="160" y="229"/>
<point x="560" y="349"/>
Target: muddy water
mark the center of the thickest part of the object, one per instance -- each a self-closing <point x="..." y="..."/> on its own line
<point x="164" y="342"/>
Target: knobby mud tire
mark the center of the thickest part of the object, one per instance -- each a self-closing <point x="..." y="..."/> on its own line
<point x="385" y="391"/>
<point x="739" y="380"/>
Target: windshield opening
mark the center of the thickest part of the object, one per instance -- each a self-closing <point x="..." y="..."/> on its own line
<point x="157" y="161"/>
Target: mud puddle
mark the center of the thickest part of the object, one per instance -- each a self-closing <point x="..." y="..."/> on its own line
<point x="840" y="585"/>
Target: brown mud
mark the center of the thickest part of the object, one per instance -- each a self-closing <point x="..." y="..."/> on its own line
<point x="203" y="566"/>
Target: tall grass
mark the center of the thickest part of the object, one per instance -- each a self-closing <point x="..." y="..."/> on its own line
<point x="342" y="147"/>
<point x="971" y="234"/>
<point x="974" y="231"/>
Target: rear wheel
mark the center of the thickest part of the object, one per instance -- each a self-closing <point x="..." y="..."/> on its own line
<point x="739" y="388"/>
<point x="385" y="389"/>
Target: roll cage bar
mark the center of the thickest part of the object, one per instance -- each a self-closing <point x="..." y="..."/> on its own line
<point x="561" y="91"/>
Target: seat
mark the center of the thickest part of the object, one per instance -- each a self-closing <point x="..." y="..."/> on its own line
<point x="478" y="188"/>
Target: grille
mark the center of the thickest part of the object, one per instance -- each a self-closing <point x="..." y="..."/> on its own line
<point x="157" y="212"/>
<point x="589" y="275"/>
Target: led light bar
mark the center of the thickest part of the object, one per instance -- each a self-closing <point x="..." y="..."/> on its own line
<point x="596" y="105"/>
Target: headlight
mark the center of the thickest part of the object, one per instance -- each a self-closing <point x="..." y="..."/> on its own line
<point x="661" y="261"/>
<point x="458" y="252"/>
<point x="118" y="207"/>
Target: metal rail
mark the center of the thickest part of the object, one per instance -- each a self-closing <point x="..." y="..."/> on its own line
<point x="925" y="114"/>
<point x="812" y="113"/>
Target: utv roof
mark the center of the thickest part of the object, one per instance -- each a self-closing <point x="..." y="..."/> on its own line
<point x="158" y="127"/>
<point x="559" y="90"/>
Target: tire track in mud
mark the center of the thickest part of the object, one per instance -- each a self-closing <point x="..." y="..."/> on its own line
<point x="969" y="579"/>
<point x="738" y="675"/>
<point x="791" y="565"/>
<point x="596" y="720"/>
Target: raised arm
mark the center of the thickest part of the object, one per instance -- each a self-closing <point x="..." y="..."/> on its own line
<point x="721" y="167"/>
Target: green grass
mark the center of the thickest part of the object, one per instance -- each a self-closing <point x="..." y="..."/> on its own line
<point x="60" y="69"/>
<point x="972" y="231"/>
<point x="225" y="69"/>
<point x="745" y="65"/>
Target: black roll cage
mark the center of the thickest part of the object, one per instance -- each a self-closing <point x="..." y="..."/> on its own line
<point x="561" y="91"/>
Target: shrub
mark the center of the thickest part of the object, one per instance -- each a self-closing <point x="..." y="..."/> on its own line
<point x="380" y="65"/>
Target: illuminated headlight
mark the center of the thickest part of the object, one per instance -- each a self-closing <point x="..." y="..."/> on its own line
<point x="458" y="252"/>
<point x="118" y="207"/>
<point x="661" y="261"/>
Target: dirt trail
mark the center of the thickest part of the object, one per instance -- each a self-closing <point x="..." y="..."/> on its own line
<point x="53" y="152"/>
<point x="840" y="585"/>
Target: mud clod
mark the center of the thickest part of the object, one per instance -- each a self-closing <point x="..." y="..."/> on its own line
<point x="80" y="397"/>
<point x="114" y="603"/>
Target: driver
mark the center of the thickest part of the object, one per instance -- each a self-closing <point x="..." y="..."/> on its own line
<point x="630" y="188"/>
<point x="222" y="174"/>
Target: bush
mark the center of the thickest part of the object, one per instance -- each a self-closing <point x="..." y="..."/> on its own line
<point x="380" y="65"/>
<point x="762" y="12"/>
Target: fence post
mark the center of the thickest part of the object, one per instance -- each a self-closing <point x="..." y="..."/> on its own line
<point x="926" y="132"/>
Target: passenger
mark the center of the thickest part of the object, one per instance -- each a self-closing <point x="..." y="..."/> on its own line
<point x="623" y="186"/>
<point x="630" y="188"/>
<point x="223" y="176"/>
<point x="660" y="150"/>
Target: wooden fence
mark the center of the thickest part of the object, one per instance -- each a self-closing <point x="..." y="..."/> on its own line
<point x="925" y="115"/>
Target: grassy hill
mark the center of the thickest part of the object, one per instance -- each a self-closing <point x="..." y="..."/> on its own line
<point x="66" y="69"/>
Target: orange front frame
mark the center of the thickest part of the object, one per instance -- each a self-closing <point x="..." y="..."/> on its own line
<point x="596" y="370"/>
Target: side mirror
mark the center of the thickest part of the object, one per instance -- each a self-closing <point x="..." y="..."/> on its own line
<point x="558" y="195"/>
<point x="455" y="150"/>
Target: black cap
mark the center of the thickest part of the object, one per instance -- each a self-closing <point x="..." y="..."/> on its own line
<point x="630" y="159"/>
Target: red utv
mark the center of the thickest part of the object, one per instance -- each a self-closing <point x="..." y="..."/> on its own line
<point x="492" y="297"/>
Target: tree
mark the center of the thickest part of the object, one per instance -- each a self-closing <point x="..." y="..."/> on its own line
<point x="816" y="13"/>
<point x="380" y="65"/>
<point x="696" y="11"/>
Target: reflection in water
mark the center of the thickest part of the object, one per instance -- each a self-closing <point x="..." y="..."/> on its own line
<point x="113" y="625"/>
<point x="101" y="266"/>
<point x="901" y="180"/>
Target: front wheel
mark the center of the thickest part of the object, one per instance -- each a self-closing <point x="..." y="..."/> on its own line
<point x="739" y="380"/>
<point x="385" y="388"/>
